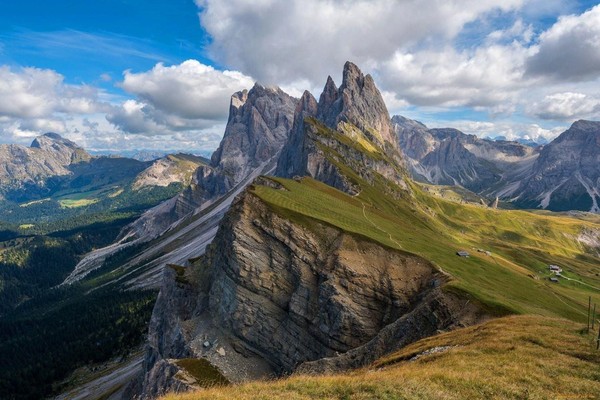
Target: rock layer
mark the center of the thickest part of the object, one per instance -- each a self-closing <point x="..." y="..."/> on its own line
<point x="274" y="292"/>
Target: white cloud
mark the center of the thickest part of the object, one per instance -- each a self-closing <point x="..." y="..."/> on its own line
<point x="570" y="49"/>
<point x="181" y="107"/>
<point x="486" y="77"/>
<point x="509" y="129"/>
<point x="189" y="90"/>
<point x="279" y="41"/>
<point x="566" y="106"/>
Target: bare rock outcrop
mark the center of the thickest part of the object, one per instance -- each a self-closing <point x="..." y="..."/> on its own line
<point x="259" y="124"/>
<point x="566" y="175"/>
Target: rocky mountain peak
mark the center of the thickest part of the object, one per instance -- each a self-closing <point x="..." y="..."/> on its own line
<point x="51" y="140"/>
<point x="258" y="125"/>
<point x="358" y="102"/>
<point x="406" y="123"/>
<point x="581" y="130"/>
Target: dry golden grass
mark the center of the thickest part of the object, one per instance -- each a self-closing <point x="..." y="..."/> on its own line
<point x="517" y="357"/>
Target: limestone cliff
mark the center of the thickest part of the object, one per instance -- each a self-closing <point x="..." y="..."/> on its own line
<point x="273" y="296"/>
<point x="258" y="126"/>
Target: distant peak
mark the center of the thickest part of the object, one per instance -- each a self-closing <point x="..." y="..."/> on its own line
<point x="583" y="124"/>
<point x="49" y="139"/>
<point x="358" y="102"/>
<point x="407" y="122"/>
<point x="53" y="136"/>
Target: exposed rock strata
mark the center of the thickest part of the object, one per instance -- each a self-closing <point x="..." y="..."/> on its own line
<point x="274" y="292"/>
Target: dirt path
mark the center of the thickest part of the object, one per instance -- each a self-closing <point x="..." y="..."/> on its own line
<point x="378" y="227"/>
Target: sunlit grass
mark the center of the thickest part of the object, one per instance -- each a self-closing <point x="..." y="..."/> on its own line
<point x="522" y="357"/>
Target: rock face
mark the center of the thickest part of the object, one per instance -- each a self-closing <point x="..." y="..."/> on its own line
<point x="563" y="175"/>
<point x="357" y="102"/>
<point x="450" y="157"/>
<point x="350" y="126"/>
<point x="274" y="293"/>
<point x="566" y="175"/>
<point x="259" y="124"/>
<point x="29" y="171"/>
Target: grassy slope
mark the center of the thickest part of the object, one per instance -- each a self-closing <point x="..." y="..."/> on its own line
<point x="522" y="243"/>
<point x="522" y="357"/>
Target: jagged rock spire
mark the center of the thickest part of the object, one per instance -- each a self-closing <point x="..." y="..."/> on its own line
<point x="359" y="102"/>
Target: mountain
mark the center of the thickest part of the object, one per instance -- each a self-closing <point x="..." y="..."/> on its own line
<point x="26" y="172"/>
<point x="341" y="259"/>
<point x="173" y="168"/>
<point x="450" y="157"/>
<point x="566" y="175"/>
<point x="560" y="176"/>
<point x="349" y="124"/>
<point x="258" y="125"/>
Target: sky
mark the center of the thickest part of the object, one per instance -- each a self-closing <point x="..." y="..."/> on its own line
<point x="158" y="74"/>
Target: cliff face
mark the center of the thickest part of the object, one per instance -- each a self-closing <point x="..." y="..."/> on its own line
<point x="258" y="126"/>
<point x="274" y="295"/>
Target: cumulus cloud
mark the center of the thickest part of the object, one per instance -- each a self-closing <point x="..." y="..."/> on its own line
<point x="570" y="49"/>
<point x="189" y="90"/>
<point x="278" y="41"/>
<point x="416" y="50"/>
<point x="486" y="77"/>
<point x="509" y="129"/>
<point x="34" y="101"/>
<point x="566" y="106"/>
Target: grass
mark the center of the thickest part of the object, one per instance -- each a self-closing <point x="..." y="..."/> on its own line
<point x="518" y="357"/>
<point x="522" y="243"/>
<point x="203" y="372"/>
<point x="72" y="203"/>
<point x="536" y="349"/>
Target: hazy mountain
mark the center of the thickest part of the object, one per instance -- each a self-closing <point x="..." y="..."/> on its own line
<point x="562" y="175"/>
<point x="450" y="157"/>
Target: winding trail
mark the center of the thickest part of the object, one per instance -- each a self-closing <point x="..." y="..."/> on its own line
<point x="378" y="227"/>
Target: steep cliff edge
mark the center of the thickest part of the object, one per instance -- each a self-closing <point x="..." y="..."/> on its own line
<point x="258" y="126"/>
<point x="273" y="294"/>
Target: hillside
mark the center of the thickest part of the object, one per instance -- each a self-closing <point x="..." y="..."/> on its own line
<point x="524" y="357"/>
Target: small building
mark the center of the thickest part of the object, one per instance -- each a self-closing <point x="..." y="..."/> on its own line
<point x="462" y="253"/>
<point x="554" y="279"/>
<point x="554" y="268"/>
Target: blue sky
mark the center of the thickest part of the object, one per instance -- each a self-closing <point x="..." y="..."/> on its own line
<point x="157" y="74"/>
<point x="85" y="39"/>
